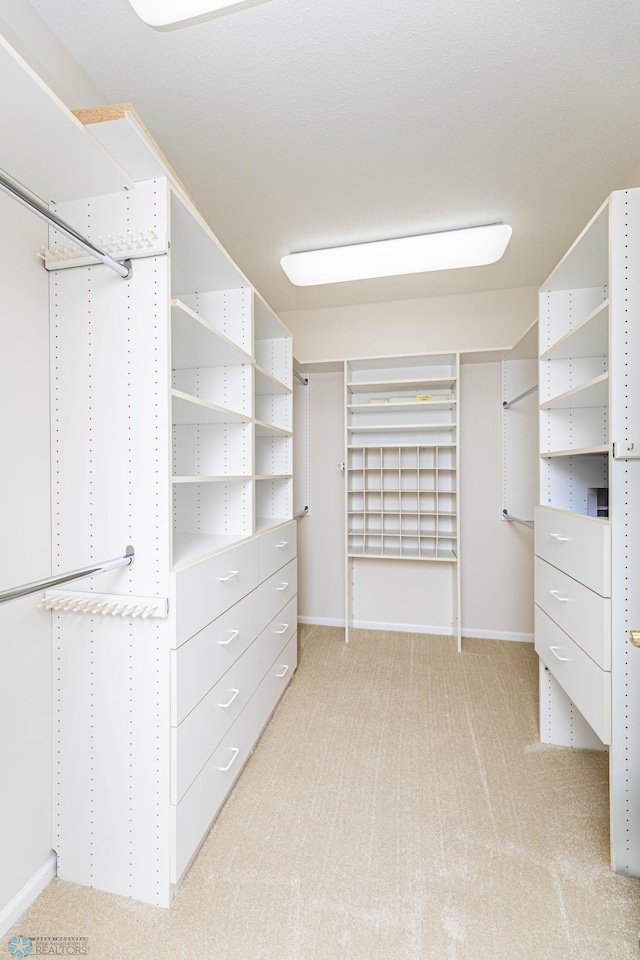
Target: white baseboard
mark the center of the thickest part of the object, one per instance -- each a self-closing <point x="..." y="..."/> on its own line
<point x="29" y="893"/>
<point x="441" y="631"/>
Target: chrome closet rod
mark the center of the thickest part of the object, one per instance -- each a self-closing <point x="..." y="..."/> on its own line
<point x="303" y="380"/>
<point x="521" y="396"/>
<point x="31" y="202"/>
<point x="525" y="523"/>
<point x="27" y="588"/>
<point x="301" y="513"/>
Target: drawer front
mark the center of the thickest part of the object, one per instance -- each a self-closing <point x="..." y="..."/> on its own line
<point x="193" y="742"/>
<point x="583" y="681"/>
<point x="275" y="549"/>
<point x="579" y="546"/>
<point x="274" y="638"/>
<point x="276" y="592"/>
<point x="200" y="662"/>
<point x="207" y="589"/>
<point x="276" y="681"/>
<point x="583" y="614"/>
<point x="191" y="818"/>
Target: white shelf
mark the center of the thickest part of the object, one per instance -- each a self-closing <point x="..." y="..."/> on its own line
<point x="263" y="429"/>
<point x="266" y="385"/>
<point x="268" y="523"/>
<point x="384" y="386"/>
<point x="408" y="405"/>
<point x="590" y="338"/>
<point x="196" y="344"/>
<point x="400" y="446"/>
<point x="593" y="393"/>
<point x="190" y="547"/>
<point x="447" y="556"/>
<point x="198" y="261"/>
<point x="216" y="479"/>
<point x="404" y="426"/>
<point x="577" y="452"/>
<point x="399" y="469"/>
<point x="189" y="409"/>
<point x="401" y="513"/>
<point x="273" y="476"/>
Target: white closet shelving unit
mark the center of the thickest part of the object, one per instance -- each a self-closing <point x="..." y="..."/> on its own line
<point x="402" y="464"/>
<point x="587" y="547"/>
<point x="172" y="430"/>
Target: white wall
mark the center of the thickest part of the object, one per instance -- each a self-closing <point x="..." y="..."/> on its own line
<point x="25" y="633"/>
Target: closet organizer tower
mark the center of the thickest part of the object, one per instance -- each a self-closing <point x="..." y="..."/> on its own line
<point x="587" y="528"/>
<point x="172" y="431"/>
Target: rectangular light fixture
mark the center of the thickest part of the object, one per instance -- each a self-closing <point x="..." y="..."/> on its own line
<point x="163" y="13"/>
<point x="451" y="249"/>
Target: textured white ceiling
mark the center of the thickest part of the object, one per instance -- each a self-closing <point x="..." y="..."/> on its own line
<point x="300" y="124"/>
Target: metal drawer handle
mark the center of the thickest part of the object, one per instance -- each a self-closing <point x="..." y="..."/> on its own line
<point x="556" y="594"/>
<point x="283" y="544"/>
<point x="281" y="675"/>
<point x="234" y="573"/>
<point x="283" y="586"/>
<point x="234" y="694"/>
<point x="234" y="634"/>
<point x="553" y="651"/>
<point x="235" y="751"/>
<point x="284" y="629"/>
<point x="556" y="536"/>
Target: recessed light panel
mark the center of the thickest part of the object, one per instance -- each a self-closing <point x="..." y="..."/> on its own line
<point x="163" y="13"/>
<point x="469" y="247"/>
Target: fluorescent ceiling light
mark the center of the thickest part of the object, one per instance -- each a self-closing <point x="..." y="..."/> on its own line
<point x="469" y="247"/>
<point x="163" y="13"/>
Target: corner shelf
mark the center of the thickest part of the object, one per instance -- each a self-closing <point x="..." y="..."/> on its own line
<point x="187" y="409"/>
<point x="593" y="393"/>
<point x="194" y="343"/>
<point x="590" y="338"/>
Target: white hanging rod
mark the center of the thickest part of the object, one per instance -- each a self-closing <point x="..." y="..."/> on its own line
<point x="525" y="523"/>
<point x="303" y="380"/>
<point x="31" y="202"/>
<point x="301" y="513"/>
<point x="521" y="396"/>
<point x="27" y="588"/>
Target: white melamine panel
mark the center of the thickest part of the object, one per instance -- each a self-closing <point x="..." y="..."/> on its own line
<point x="561" y="723"/>
<point x="199" y="663"/>
<point x="584" y="615"/>
<point x="278" y="590"/>
<point x="275" y="410"/>
<point x="187" y="408"/>
<point x="394" y="369"/>
<point x="267" y="325"/>
<point x="218" y="509"/>
<point x="584" y="682"/>
<point x="192" y="817"/>
<point x="587" y="260"/>
<point x="566" y="310"/>
<point x="589" y="338"/>
<point x="593" y="393"/>
<point x="276" y="548"/>
<point x="205" y="590"/>
<point x="579" y="429"/>
<point x="195" y="739"/>
<point x="198" y="262"/>
<point x="197" y="343"/>
<point x="273" y="502"/>
<point x="228" y="311"/>
<point x="566" y="480"/>
<point x="276" y="681"/>
<point x="228" y="387"/>
<point x="403" y="596"/>
<point x="273" y="455"/>
<point x="209" y="450"/>
<point x="578" y="546"/>
<point x="275" y="359"/>
<point x="274" y="637"/>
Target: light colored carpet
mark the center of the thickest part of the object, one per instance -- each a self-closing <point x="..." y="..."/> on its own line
<point x="398" y="807"/>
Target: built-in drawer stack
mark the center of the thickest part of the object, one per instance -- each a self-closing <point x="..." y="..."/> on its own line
<point x="236" y="650"/>
<point x="573" y="609"/>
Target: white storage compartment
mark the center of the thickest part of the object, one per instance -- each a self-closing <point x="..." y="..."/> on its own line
<point x="580" y="546"/>
<point x="583" y="614"/>
<point x="276" y="681"/>
<point x="584" y="682"/>
<point x="275" y="549"/>
<point x="278" y="590"/>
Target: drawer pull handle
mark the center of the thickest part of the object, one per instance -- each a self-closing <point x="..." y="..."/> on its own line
<point x="234" y="573"/>
<point x="284" y="543"/>
<point x="235" y="751"/>
<point x="234" y="694"/>
<point x="234" y="634"/>
<point x="285" y="627"/>
<point x="284" y="672"/>
<point x="556" y="536"/>
<point x="556" y="594"/>
<point x="557" y="655"/>
<point x="283" y="586"/>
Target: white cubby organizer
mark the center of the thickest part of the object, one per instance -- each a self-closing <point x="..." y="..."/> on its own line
<point x="172" y="430"/>
<point x="402" y="464"/>
<point x="587" y="548"/>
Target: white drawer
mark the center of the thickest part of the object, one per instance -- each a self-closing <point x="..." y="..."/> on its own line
<point x="583" y="614"/>
<point x="586" y="685"/>
<point x="277" y="591"/>
<point x="191" y="818"/>
<point x="275" y="682"/>
<point x="276" y="548"/>
<point x="580" y="546"/>
<point x="193" y="742"/>
<point x="200" y="662"/>
<point x="274" y="637"/>
<point x="207" y="589"/>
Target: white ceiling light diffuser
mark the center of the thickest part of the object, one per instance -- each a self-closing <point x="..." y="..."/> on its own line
<point x="164" y="13"/>
<point x="469" y="247"/>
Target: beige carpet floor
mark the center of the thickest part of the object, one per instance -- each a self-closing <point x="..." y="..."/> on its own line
<point x="398" y="807"/>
